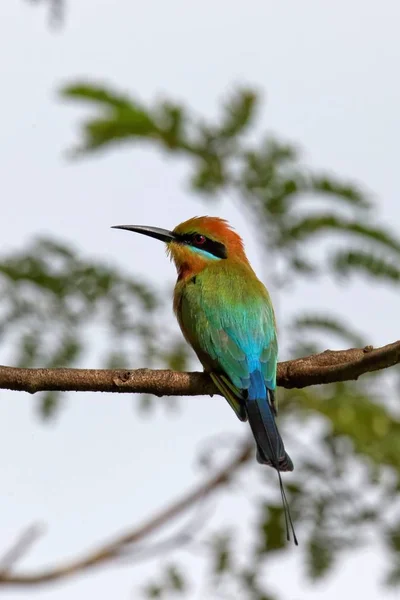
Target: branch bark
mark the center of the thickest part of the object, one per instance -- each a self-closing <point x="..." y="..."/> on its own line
<point x="327" y="367"/>
<point x="114" y="549"/>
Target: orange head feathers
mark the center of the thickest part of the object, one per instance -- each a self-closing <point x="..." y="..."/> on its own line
<point x="202" y="240"/>
<point x="197" y="242"/>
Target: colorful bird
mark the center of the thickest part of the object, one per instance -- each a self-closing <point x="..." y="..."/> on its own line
<point x="226" y="315"/>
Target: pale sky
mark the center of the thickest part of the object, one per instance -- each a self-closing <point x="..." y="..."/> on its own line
<point x="329" y="74"/>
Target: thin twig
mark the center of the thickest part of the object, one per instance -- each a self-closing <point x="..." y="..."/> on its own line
<point x="328" y="367"/>
<point x="113" y="550"/>
<point x="182" y="537"/>
<point x="20" y="548"/>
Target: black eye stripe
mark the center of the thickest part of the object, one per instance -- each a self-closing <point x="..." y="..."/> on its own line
<point x="215" y="248"/>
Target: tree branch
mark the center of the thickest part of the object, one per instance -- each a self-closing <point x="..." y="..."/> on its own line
<point x="328" y="367"/>
<point x="110" y="551"/>
<point x="20" y="548"/>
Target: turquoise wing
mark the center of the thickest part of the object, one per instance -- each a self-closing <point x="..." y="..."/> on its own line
<point x="232" y="330"/>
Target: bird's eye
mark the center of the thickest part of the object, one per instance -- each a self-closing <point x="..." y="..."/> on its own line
<point x="199" y="239"/>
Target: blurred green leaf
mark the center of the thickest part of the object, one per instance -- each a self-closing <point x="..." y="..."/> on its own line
<point x="363" y="262"/>
<point x="320" y="556"/>
<point x="238" y="113"/>
<point x="394" y="537"/>
<point x="154" y="591"/>
<point x="123" y="118"/>
<point x="175" y="579"/>
<point x="49" y="403"/>
<point x="339" y="191"/>
<point x="311" y="225"/>
<point x="99" y="94"/>
<point x="272" y="528"/>
<point x="306" y="323"/>
<point x="171" y="581"/>
<point x="374" y="432"/>
<point x="222" y="559"/>
<point x="393" y="576"/>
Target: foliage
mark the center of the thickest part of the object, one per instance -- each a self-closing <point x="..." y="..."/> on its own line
<point x="357" y="439"/>
<point x="171" y="582"/>
<point x="51" y="297"/>
<point x="291" y="205"/>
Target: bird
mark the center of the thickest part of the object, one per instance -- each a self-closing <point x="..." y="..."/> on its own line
<point x="225" y="313"/>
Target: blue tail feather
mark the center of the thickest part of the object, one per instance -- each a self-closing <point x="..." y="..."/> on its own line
<point x="270" y="448"/>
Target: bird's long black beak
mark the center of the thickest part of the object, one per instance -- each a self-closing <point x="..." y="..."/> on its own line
<point x="155" y="232"/>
